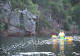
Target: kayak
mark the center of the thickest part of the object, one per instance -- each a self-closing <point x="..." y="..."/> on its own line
<point x="67" y="39"/>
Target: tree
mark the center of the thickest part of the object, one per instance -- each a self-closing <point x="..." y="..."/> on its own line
<point x="76" y="14"/>
<point x="22" y="4"/>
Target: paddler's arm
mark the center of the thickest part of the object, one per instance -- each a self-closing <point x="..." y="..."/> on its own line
<point x="58" y="35"/>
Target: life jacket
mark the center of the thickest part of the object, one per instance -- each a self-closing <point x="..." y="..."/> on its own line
<point x="61" y="34"/>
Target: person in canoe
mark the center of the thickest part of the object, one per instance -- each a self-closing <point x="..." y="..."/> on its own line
<point x="61" y="35"/>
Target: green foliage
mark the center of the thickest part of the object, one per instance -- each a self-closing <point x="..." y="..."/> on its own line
<point x="78" y="28"/>
<point x="2" y="26"/>
<point x="76" y="14"/>
<point x="22" y="4"/>
<point x="66" y="26"/>
<point x="61" y="8"/>
<point x="45" y="23"/>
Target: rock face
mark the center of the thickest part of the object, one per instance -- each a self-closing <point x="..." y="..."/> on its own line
<point x="5" y="10"/>
<point x="25" y="23"/>
<point x="20" y="21"/>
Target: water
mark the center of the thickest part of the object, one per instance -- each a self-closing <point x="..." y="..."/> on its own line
<point x="11" y="46"/>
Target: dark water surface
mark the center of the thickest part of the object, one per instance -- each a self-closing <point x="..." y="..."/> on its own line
<point x="13" y="45"/>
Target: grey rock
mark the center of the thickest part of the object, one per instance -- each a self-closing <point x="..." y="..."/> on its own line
<point x="15" y="19"/>
<point x="29" y="23"/>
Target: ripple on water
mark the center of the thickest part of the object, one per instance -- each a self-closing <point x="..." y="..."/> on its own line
<point x="30" y="44"/>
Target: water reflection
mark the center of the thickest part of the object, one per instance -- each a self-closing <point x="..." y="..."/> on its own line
<point x="59" y="47"/>
<point x="55" y="46"/>
<point x="62" y="47"/>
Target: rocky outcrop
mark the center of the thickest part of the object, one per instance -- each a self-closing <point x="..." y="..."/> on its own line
<point x="19" y="22"/>
<point x="5" y="10"/>
<point x="27" y="22"/>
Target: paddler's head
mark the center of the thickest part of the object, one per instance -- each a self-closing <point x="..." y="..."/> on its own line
<point x="61" y="31"/>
